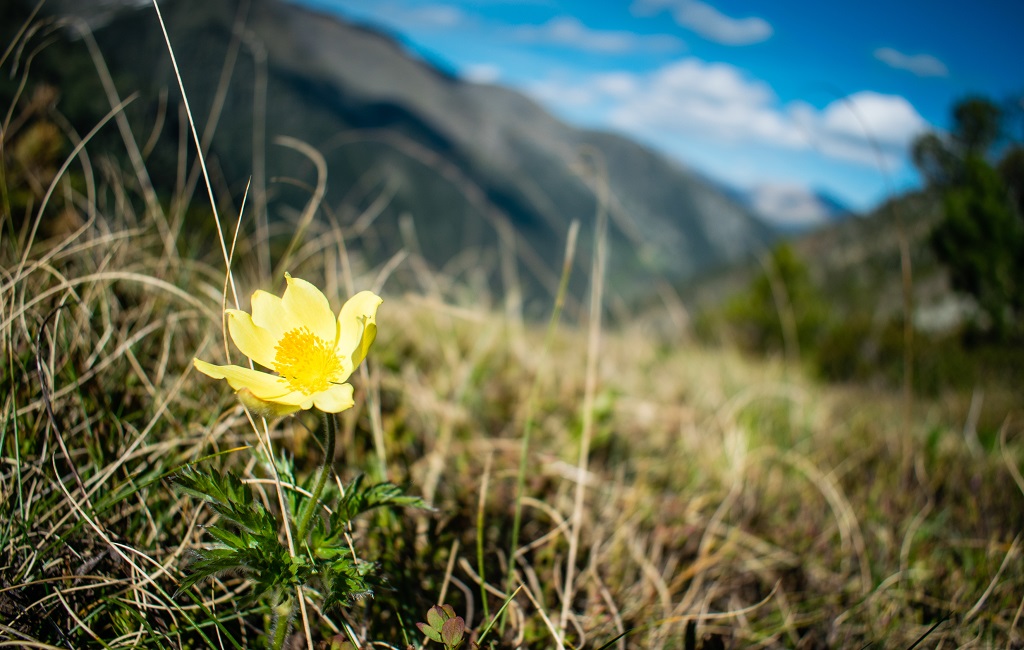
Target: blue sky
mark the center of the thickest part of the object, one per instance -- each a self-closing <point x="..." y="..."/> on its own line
<point x="787" y="94"/>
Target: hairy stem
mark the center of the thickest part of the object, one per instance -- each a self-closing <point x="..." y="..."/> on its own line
<point x="284" y="623"/>
<point x="330" y="432"/>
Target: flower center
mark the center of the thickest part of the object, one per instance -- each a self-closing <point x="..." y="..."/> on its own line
<point x="306" y="361"/>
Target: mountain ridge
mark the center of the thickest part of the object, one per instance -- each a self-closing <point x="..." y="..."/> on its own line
<point x="469" y="162"/>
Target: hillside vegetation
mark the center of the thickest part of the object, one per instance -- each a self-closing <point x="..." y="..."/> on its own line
<point x="667" y="493"/>
<point x="924" y="293"/>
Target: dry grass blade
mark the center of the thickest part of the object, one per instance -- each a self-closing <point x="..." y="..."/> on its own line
<point x="597" y="280"/>
<point x="195" y="138"/>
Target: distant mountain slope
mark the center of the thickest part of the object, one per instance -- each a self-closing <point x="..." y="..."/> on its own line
<point x="791" y="210"/>
<point x="856" y="264"/>
<point x="465" y="162"/>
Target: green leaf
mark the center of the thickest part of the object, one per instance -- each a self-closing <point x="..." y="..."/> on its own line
<point x="436" y="617"/>
<point x="247" y="531"/>
<point x="345" y="579"/>
<point x="225" y="537"/>
<point x="359" y="500"/>
<point x="430" y="632"/>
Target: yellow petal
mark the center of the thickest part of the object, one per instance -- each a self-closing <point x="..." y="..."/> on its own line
<point x="335" y="399"/>
<point x="297" y="399"/>
<point x="262" y="385"/>
<point x="357" y="326"/>
<point x="262" y="408"/>
<point x="268" y="312"/>
<point x="255" y="342"/>
<point x="308" y="306"/>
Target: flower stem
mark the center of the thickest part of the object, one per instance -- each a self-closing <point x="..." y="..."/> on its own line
<point x="284" y="623"/>
<point x="330" y="433"/>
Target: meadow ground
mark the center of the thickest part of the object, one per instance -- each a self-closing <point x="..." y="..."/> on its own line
<point x="590" y="486"/>
<point x="722" y="502"/>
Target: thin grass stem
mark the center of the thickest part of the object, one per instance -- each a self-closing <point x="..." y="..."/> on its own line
<point x="590" y="388"/>
<point x="531" y="403"/>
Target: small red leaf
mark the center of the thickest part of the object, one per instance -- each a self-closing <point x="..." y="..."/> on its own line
<point x="452" y="631"/>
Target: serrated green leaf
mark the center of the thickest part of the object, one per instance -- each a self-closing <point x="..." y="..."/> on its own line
<point x="252" y="518"/>
<point x="226" y="537"/>
<point x="190" y="491"/>
<point x="359" y="500"/>
<point x="327" y="552"/>
<point x="265" y="562"/>
<point x="209" y="562"/>
<point x="345" y="578"/>
<point x="191" y="482"/>
<point x="226" y="494"/>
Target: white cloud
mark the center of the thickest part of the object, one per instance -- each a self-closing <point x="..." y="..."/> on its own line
<point x="888" y="119"/>
<point x="789" y="205"/>
<point x="481" y="73"/>
<point x="869" y="128"/>
<point x="719" y="103"/>
<point x="708" y="100"/>
<point x="709" y="22"/>
<point x="923" y="65"/>
<point x="570" y="32"/>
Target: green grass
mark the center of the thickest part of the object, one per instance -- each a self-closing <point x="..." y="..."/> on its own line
<point x="725" y="502"/>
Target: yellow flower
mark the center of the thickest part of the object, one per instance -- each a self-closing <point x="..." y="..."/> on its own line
<point x="298" y="337"/>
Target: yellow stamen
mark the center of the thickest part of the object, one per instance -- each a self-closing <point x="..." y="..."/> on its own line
<point x="306" y="361"/>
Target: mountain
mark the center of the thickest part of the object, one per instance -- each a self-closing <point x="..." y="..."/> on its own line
<point x="792" y="209"/>
<point x="475" y="169"/>
<point x="857" y="265"/>
<point x="858" y="262"/>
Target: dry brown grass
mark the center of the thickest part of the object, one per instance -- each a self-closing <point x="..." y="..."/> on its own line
<point x="675" y="495"/>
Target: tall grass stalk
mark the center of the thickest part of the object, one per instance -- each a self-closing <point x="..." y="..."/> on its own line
<point x="480" y="534"/>
<point x="597" y="280"/>
<point x="568" y="260"/>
